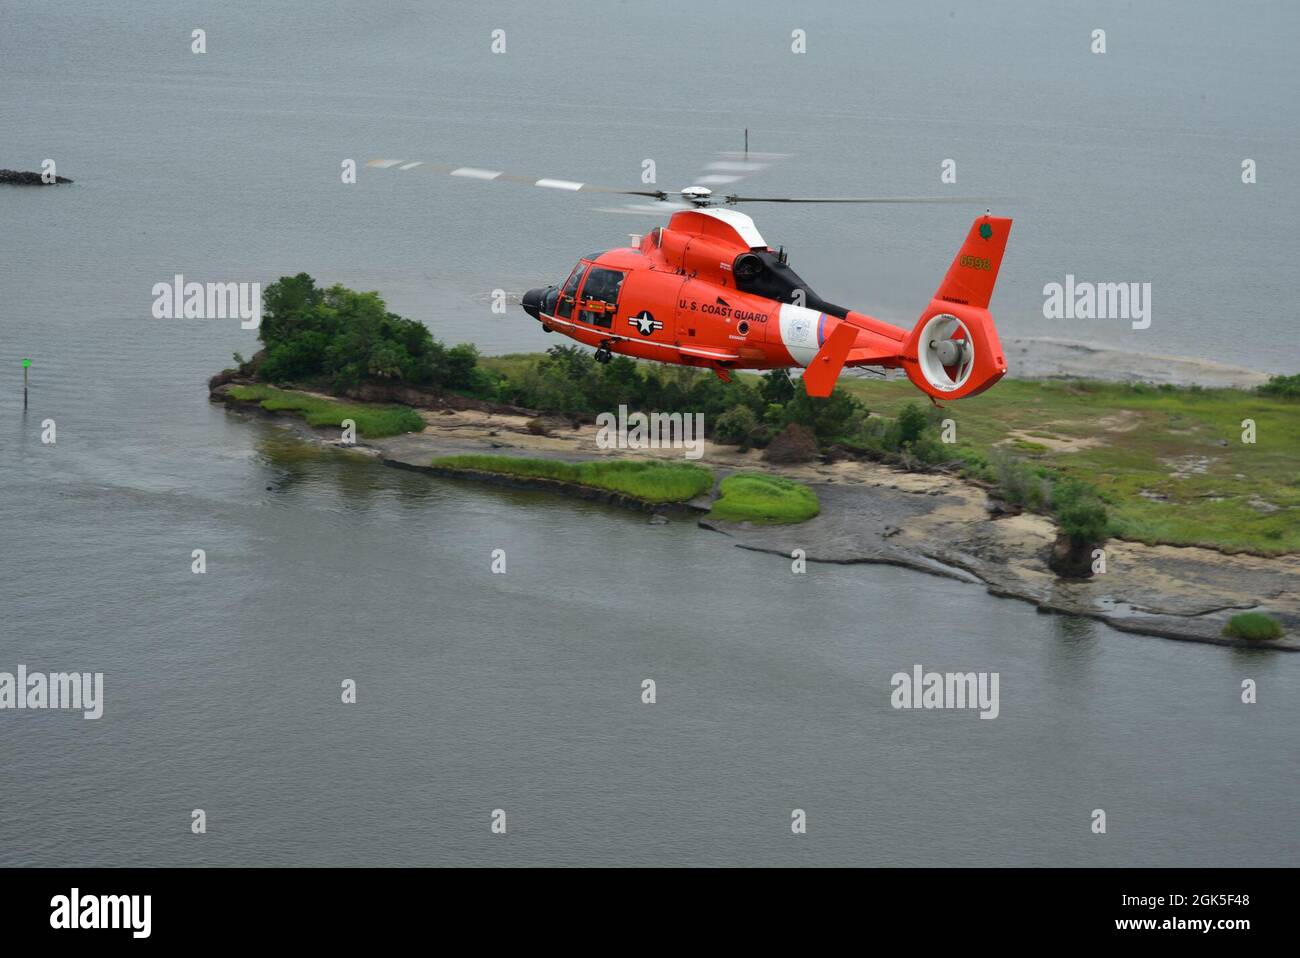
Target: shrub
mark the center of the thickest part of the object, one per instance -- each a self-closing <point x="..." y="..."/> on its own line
<point x="973" y="462"/>
<point x="1079" y="511"/>
<point x="931" y="451"/>
<point x="795" y="443"/>
<point x="735" y="426"/>
<point x="778" y="388"/>
<point x="568" y="380"/>
<point x="1018" y="482"/>
<point x="836" y="417"/>
<point x="1085" y="522"/>
<point x="1253" y="625"/>
<point x="1283" y="387"/>
<point x="907" y="427"/>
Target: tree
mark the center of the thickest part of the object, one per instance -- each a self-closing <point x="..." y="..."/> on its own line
<point x="1080" y="512"/>
<point x="1085" y="522"/>
<point x="777" y="387"/>
<point x="286" y="302"/>
<point x="735" y="426"/>
<point x="908" y="427"/>
<point x="838" y="416"/>
<point x="459" y="367"/>
<point x="345" y="336"/>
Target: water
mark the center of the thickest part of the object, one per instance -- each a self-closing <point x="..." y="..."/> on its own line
<point x="522" y="691"/>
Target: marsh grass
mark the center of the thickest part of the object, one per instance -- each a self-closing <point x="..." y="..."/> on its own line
<point x="1253" y="625"/>
<point x="373" y="422"/>
<point x="1169" y="462"/>
<point x="647" y="480"/>
<point x="758" y="497"/>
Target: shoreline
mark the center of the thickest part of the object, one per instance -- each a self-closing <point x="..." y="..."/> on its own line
<point x="877" y="514"/>
<point x="574" y="490"/>
<point x="1048" y="357"/>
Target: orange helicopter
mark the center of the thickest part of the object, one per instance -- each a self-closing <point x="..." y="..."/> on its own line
<point x="707" y="290"/>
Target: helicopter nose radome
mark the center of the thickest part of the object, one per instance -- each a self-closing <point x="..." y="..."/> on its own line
<point x="532" y="302"/>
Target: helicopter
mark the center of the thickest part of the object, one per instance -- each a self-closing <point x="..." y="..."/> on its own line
<point x="707" y="290"/>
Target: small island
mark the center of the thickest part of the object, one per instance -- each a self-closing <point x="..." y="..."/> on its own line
<point x="25" y="178"/>
<point x="1136" y="504"/>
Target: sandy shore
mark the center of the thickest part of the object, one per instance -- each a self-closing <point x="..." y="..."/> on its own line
<point x="1047" y="358"/>
<point x="872" y="513"/>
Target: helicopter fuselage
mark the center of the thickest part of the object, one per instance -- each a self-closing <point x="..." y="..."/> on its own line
<point x="706" y="290"/>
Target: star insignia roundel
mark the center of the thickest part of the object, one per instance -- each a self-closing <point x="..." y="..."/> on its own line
<point x="644" y="322"/>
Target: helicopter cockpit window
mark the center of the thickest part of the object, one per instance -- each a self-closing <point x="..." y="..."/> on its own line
<point x="600" y="296"/>
<point x="565" y="307"/>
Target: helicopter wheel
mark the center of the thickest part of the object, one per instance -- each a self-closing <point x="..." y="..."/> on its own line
<point x="603" y="354"/>
<point x="547" y="329"/>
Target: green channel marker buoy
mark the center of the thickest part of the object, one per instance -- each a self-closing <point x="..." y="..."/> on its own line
<point x="26" y="364"/>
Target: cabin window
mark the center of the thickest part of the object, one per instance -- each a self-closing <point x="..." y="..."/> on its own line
<point x="600" y="296"/>
<point x="565" y="307"/>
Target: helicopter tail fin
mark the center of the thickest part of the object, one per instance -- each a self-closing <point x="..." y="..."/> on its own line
<point x="954" y="351"/>
<point x="973" y="273"/>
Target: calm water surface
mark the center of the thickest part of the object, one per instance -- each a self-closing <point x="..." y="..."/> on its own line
<point x="522" y="691"/>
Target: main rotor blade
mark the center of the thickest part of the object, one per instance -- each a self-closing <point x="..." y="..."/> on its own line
<point x="475" y="173"/>
<point x="646" y="209"/>
<point x="731" y="200"/>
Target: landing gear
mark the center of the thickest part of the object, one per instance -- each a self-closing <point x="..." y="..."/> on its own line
<point x="603" y="352"/>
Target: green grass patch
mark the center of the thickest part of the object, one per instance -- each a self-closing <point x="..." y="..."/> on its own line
<point x="645" y="479"/>
<point x="757" y="497"/>
<point x="1253" y="625"/>
<point x="1184" y="444"/>
<point x="373" y="422"/>
<point x="513" y="365"/>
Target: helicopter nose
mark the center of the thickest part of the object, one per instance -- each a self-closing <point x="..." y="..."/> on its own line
<point x="532" y="302"/>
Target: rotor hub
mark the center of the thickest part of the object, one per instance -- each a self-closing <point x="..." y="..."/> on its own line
<point x="699" y="195"/>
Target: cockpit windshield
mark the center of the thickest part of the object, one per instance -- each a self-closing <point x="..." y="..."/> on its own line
<point x="600" y="296"/>
<point x="564" y="309"/>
